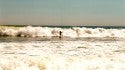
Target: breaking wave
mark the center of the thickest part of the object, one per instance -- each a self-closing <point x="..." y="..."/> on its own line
<point x="30" y="31"/>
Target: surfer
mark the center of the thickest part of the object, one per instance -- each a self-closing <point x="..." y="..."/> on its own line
<point x="60" y="34"/>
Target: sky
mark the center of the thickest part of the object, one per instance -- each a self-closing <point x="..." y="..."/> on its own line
<point x="63" y="12"/>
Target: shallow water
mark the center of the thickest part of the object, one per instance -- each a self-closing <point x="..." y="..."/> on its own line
<point x="53" y="53"/>
<point x="80" y="48"/>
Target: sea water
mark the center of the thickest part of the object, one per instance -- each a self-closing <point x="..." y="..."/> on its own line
<point x="80" y="48"/>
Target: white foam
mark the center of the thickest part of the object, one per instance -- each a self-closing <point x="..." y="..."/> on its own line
<point x="62" y="55"/>
<point x="30" y="31"/>
<point x="55" y="62"/>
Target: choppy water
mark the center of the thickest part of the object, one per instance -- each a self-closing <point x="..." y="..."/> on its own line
<point x="74" y="32"/>
<point x="83" y="52"/>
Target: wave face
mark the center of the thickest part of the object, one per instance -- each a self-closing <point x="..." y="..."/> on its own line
<point x="30" y="31"/>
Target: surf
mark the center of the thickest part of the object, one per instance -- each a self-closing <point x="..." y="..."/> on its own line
<point x="30" y="31"/>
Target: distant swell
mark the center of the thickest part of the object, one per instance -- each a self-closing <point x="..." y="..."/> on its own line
<point x="30" y="31"/>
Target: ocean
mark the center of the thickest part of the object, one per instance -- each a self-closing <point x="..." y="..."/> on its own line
<point x="78" y="48"/>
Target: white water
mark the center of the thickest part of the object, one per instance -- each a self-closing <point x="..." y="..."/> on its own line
<point x="103" y="49"/>
<point x="30" y="31"/>
<point x="62" y="55"/>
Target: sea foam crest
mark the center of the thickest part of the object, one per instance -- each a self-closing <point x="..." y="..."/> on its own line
<point x="30" y="31"/>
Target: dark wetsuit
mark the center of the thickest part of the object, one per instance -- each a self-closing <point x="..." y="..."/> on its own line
<point x="60" y="34"/>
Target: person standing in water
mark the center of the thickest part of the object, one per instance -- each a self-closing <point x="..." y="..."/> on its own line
<point x="60" y="34"/>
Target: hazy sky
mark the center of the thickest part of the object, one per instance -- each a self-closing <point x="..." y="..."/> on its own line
<point x="62" y="12"/>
